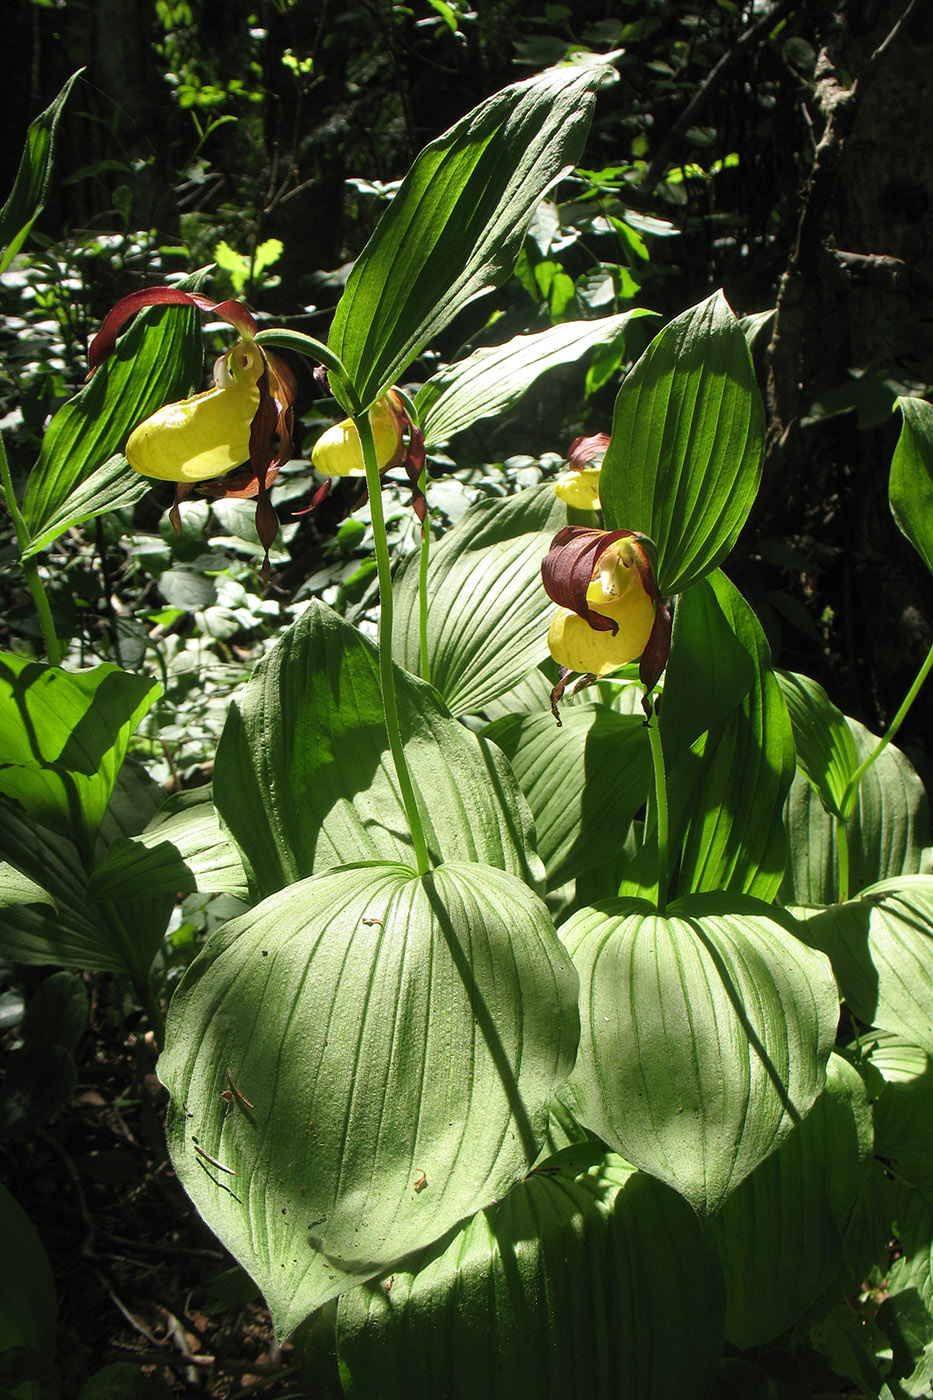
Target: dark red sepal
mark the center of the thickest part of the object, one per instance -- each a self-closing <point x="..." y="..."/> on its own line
<point x="655" y="655"/>
<point x="568" y="567"/>
<point x="104" y="342"/>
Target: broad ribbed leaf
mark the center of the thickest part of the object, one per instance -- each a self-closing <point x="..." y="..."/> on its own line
<point x="17" y="888"/>
<point x="826" y="751"/>
<point x="684" y="459"/>
<point x="304" y="779"/>
<point x="704" y="1036"/>
<point x="157" y="360"/>
<point x="182" y="849"/>
<point x="488" y="613"/>
<point x="111" y="487"/>
<point x="888" y="832"/>
<point x="904" y="1110"/>
<point x="584" y="781"/>
<point x="573" y="1285"/>
<point x="711" y="668"/>
<point x="494" y="378"/>
<point x="881" y="949"/>
<point x="389" y="1044"/>
<point x="727" y="793"/>
<point x="31" y="187"/>
<point x="76" y="933"/>
<point x="780" y="1235"/>
<point x="911" y="485"/>
<point x="456" y="225"/>
<point x="63" y="738"/>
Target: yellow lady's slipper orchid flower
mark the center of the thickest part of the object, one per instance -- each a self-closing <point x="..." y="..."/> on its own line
<point x="611" y="610"/>
<point x="207" y="435"/>
<point x="339" y="452"/>
<point x="579" y="489"/>
<point x="618" y="593"/>
<point x="233" y="424"/>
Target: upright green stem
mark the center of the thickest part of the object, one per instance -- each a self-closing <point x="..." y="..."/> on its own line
<point x="423" y="587"/>
<point x="660" y="793"/>
<point x="893" y="727"/>
<point x="29" y="566"/>
<point x="386" y="672"/>
<point x="842" y="853"/>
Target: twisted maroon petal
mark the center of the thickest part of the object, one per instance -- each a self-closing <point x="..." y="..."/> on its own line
<point x="655" y="655"/>
<point x="104" y="342"/>
<point x="568" y="567"/>
<point x="584" y="449"/>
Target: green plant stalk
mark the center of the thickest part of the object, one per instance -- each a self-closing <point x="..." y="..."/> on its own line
<point x="853" y="783"/>
<point x="423" y="585"/>
<point x="29" y="566"/>
<point x="386" y="672"/>
<point x="660" y="793"/>
<point x="842" y="854"/>
<point x="141" y="984"/>
<point x="315" y="350"/>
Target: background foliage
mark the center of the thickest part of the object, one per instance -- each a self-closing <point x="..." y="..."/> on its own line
<point x="772" y="151"/>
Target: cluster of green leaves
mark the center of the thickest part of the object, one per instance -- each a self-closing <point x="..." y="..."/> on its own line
<point x="525" y="1047"/>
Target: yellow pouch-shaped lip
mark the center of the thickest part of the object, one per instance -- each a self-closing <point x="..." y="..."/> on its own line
<point x="204" y="436"/>
<point x="575" y="644"/>
<point x="339" y="452"/>
<point x="579" y="488"/>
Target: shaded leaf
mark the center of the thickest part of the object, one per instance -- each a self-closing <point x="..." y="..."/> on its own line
<point x="64" y="738"/>
<point x="584" y="782"/>
<point x="826" y="752"/>
<point x="704" y="1036"/>
<point x="888" y="831"/>
<point x="780" y="1235"/>
<point x="684" y="459"/>
<point x="395" y="1041"/>
<point x="572" y="1285"/>
<point x="17" y="888"/>
<point x="31" y="187"/>
<point x="456" y="225"/>
<point x="112" y="486"/>
<point x="494" y="378"/>
<point x="304" y="779"/>
<point x="27" y="1289"/>
<point x="488" y="613"/>
<point x="881" y="949"/>
<point x="911" y="484"/>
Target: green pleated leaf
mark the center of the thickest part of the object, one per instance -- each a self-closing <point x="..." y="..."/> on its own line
<point x="780" y="1235"/>
<point x="573" y="1285"/>
<point x="904" y="1110"/>
<point x="826" y="751"/>
<point x="456" y="225"/>
<point x="911" y="485"/>
<point x="584" y="781"/>
<point x="31" y="187"/>
<point x="712" y="663"/>
<point x="888" y="831"/>
<point x="704" y="1036"/>
<point x="727" y="792"/>
<point x="159" y="359"/>
<point x="17" y="888"/>
<point x="393" y="1042"/>
<point x="113" y="486"/>
<point x="64" y="736"/>
<point x="881" y="949"/>
<point x="75" y="933"/>
<point x="684" y="459"/>
<point x="27" y="1288"/>
<point x="304" y="779"/>
<point x="493" y="379"/>
<point x="182" y="849"/>
<point x="488" y="613"/>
